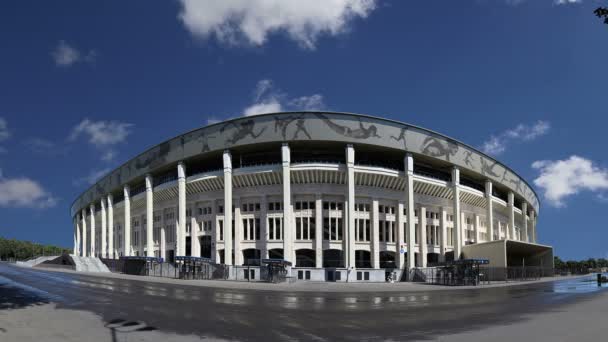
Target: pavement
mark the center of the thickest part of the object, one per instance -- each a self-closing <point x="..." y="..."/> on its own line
<point x="38" y="305"/>
<point x="311" y="286"/>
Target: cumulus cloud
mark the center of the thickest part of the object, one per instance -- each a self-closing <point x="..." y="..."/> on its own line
<point x="23" y="192"/>
<point x="65" y="55"/>
<point x="269" y="99"/>
<point x="103" y="135"/>
<point x="92" y="177"/>
<point x="562" y="178"/>
<point x="566" y="2"/>
<point x="251" y="21"/>
<point x="497" y="144"/>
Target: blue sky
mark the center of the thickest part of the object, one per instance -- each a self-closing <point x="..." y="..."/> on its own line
<point x="86" y="85"/>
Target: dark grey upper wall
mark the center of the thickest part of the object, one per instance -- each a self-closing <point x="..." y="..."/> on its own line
<point x="323" y="126"/>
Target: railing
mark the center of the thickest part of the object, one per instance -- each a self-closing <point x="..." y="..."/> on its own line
<point x="202" y="171"/>
<point x="166" y="178"/>
<point x="390" y="166"/>
<point x="138" y="190"/>
<point x="430" y="174"/>
<point x="477" y="276"/>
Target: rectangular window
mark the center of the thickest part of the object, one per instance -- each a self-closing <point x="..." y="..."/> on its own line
<point x="326" y="228"/>
<point x="271" y="228"/>
<point x="221" y="229"/>
<point x="298" y="228"/>
<point x="257" y="228"/>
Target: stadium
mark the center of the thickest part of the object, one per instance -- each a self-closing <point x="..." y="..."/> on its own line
<point x="336" y="196"/>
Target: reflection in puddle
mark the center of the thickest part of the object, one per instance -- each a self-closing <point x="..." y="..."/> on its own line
<point x="580" y="285"/>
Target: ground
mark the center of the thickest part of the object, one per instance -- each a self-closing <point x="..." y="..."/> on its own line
<point x="52" y="306"/>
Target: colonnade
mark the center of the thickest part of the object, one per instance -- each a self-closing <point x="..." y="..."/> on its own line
<point x="84" y="244"/>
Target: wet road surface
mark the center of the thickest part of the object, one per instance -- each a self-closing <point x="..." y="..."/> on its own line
<point x="247" y="315"/>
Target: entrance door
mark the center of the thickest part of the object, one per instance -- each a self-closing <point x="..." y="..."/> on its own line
<point x="171" y="256"/>
<point x="206" y="247"/>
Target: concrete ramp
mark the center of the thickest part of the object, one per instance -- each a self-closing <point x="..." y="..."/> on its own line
<point x="89" y="264"/>
<point x="35" y="261"/>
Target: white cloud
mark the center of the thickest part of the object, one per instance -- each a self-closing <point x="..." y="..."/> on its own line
<point x="103" y="135"/>
<point x="269" y="99"/>
<point x="566" y="2"/>
<point x="562" y="178"/>
<point x="65" y="55"/>
<point x="92" y="177"/>
<point x="24" y="193"/>
<point x="497" y="144"/>
<point x="251" y="21"/>
<point x="263" y="107"/>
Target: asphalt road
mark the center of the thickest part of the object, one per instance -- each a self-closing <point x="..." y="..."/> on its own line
<point x="247" y="315"/>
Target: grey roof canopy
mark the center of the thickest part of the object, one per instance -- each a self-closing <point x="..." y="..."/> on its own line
<point x="303" y="126"/>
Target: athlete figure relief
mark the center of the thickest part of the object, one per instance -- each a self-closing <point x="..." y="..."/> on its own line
<point x="436" y="148"/>
<point x="468" y="159"/>
<point x="401" y="137"/>
<point x="357" y="133"/>
<point x="283" y="123"/>
<point x="243" y="129"/>
<point x="487" y="169"/>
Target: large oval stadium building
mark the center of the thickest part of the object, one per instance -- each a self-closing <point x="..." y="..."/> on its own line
<point x="332" y="193"/>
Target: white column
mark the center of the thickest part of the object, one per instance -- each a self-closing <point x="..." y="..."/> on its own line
<point x="457" y="218"/>
<point x="76" y="236"/>
<point x="92" y="210"/>
<point x="85" y="251"/>
<point x="463" y="228"/>
<point x="524" y="214"/>
<point x="149" y="216"/>
<point x="489" y="211"/>
<point x="511" y="207"/>
<point x="194" y="229"/>
<point x="287" y="224"/>
<point x="423" y="246"/>
<point x="111" y="252"/>
<point x="104" y="228"/>
<point x="264" y="226"/>
<point x="375" y="217"/>
<point x="444" y="234"/>
<point x="181" y="210"/>
<point x="350" y="205"/>
<point x="319" y="231"/>
<point x="476" y="227"/>
<point x="411" y="217"/>
<point x="400" y="234"/>
<point x="227" y="208"/>
<point x="238" y="232"/>
<point x="533" y="224"/>
<point x="127" y="225"/>
<point x="163" y="237"/>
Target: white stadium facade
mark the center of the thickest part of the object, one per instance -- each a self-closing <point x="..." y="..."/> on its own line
<point x="332" y="193"/>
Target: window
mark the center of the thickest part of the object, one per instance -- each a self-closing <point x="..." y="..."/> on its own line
<point x="221" y="229"/>
<point x="220" y="209"/>
<point x="251" y="229"/>
<point x="275" y="229"/>
<point x="362" y="230"/>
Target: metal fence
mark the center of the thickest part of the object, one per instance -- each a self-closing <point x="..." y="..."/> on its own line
<point x="485" y="275"/>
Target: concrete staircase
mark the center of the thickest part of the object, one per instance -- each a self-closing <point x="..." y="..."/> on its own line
<point x="89" y="264"/>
